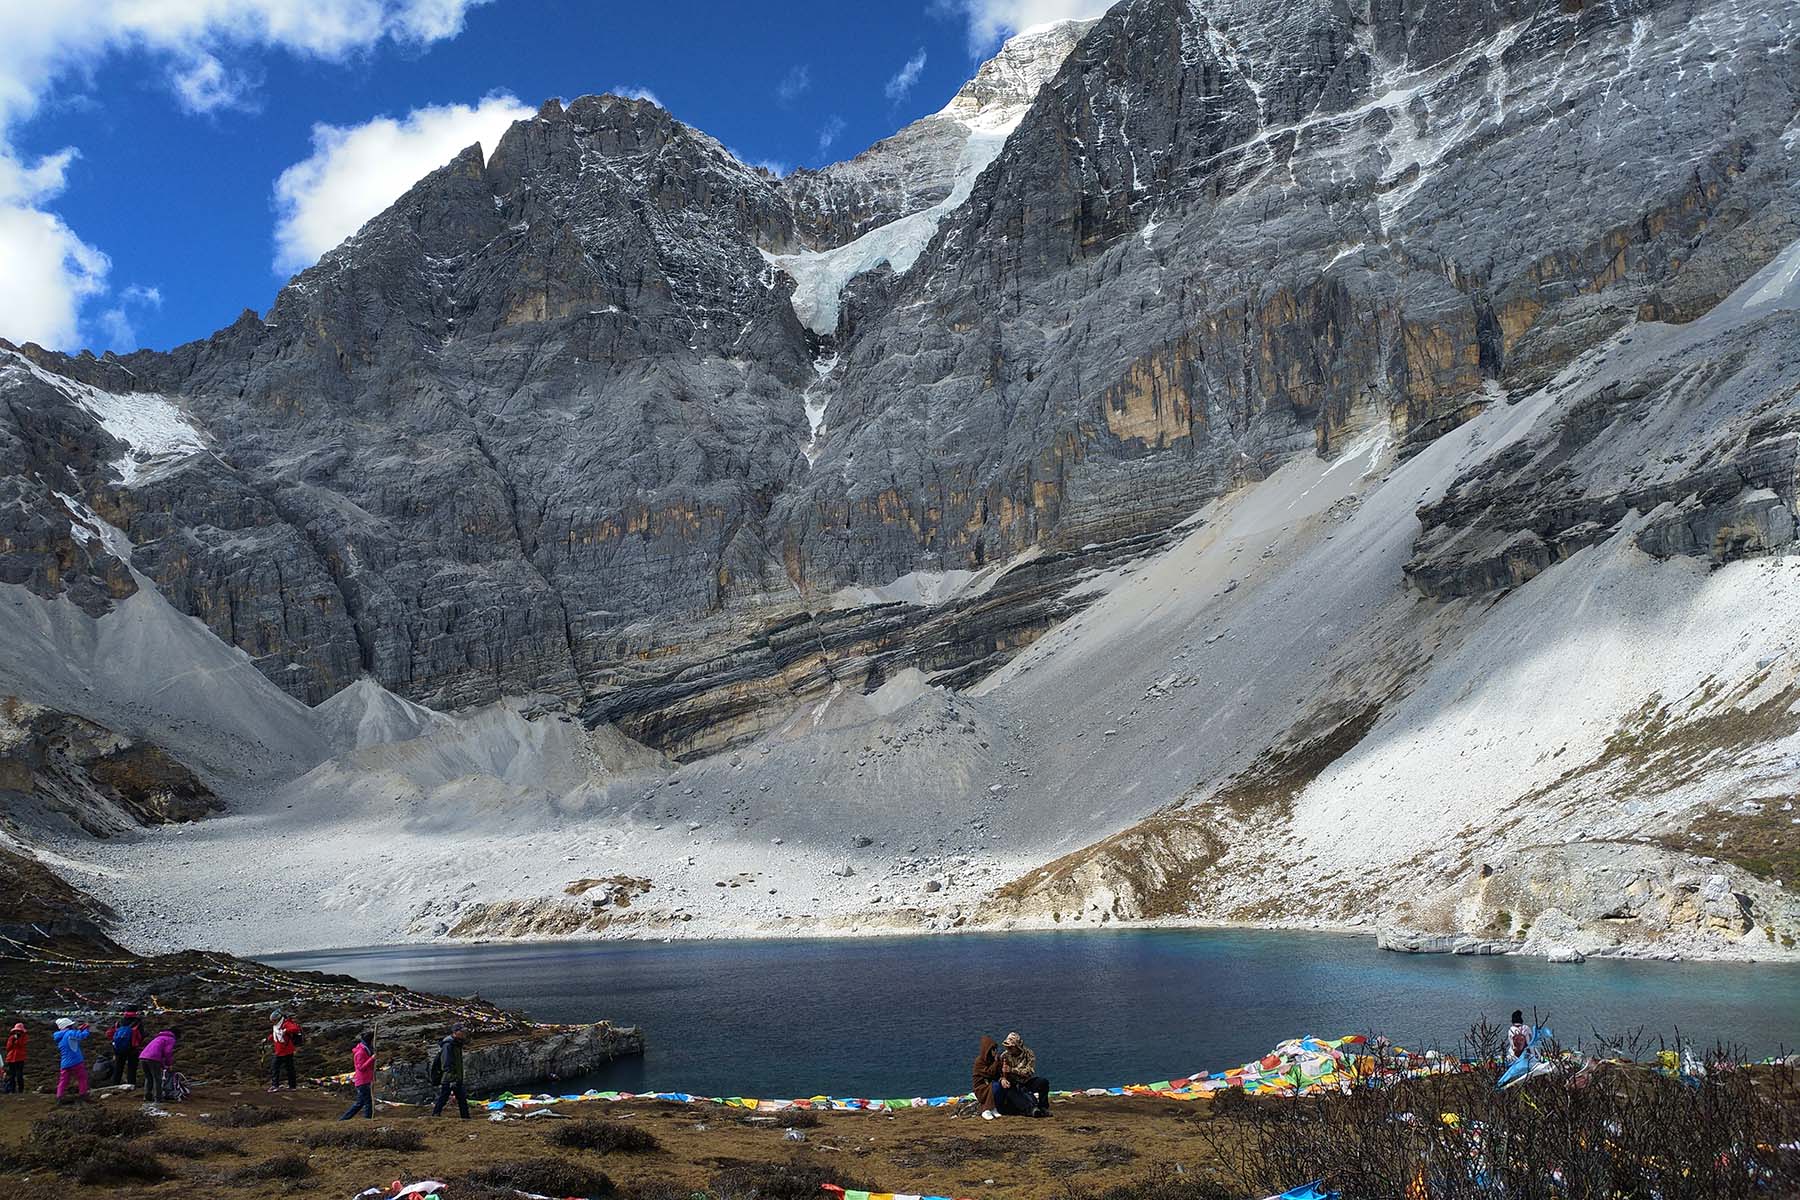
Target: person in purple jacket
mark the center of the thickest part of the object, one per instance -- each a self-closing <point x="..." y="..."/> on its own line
<point x="157" y="1058"/>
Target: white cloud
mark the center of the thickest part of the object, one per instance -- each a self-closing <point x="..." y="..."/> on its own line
<point x="794" y="84"/>
<point x="47" y="271"/>
<point x="903" y="80"/>
<point x="834" y="125"/>
<point x="356" y="171"/>
<point x="204" y="85"/>
<point x="114" y="327"/>
<point x="633" y="92"/>
<point x="20" y="184"/>
<point x="991" y="20"/>
<point x="49" y="38"/>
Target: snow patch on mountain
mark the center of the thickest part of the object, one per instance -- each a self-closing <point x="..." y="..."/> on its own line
<point x="820" y="276"/>
<point x="153" y="426"/>
<point x="989" y="107"/>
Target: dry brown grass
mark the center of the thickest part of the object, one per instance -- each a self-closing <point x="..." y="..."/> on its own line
<point x="1765" y="843"/>
<point x="702" y="1149"/>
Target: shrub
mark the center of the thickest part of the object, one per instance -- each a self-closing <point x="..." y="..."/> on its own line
<point x="1232" y="1102"/>
<point x="112" y="1163"/>
<point x="1098" y="1157"/>
<point x="244" y="1116"/>
<point x="365" y="1137"/>
<point x="542" y="1176"/>
<point x="795" y="1180"/>
<point x="181" y="1146"/>
<point x="94" y="1120"/>
<point x="663" y="1189"/>
<point x="292" y="1165"/>
<point x="1594" y="1126"/>
<point x="1110" y="1154"/>
<point x="796" y="1118"/>
<point x="606" y="1137"/>
<point x="91" y="1144"/>
<point x="1159" y="1185"/>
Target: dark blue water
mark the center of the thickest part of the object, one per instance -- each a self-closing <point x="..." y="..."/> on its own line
<point x="889" y="1017"/>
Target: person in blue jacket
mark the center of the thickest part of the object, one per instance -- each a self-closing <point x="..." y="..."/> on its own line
<point x="69" y="1037"/>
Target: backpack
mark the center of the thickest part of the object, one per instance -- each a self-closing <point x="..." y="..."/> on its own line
<point x="1521" y="1041"/>
<point x="121" y="1038"/>
<point x="436" y="1069"/>
<point x="296" y="1037"/>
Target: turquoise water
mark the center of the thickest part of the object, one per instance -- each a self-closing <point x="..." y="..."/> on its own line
<point x="901" y="1016"/>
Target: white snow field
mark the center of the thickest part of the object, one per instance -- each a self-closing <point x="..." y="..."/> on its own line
<point x="820" y="276"/>
<point x="152" y="426"/>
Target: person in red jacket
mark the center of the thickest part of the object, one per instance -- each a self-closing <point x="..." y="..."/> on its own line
<point x="284" y="1038"/>
<point x="15" y="1059"/>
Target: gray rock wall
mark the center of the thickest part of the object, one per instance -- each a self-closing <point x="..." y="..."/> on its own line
<point x="533" y="1062"/>
<point x="537" y="427"/>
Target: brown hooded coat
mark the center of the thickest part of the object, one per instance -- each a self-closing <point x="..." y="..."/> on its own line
<point x="986" y="1070"/>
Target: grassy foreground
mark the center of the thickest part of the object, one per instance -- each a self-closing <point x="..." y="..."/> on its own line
<point x="244" y="1144"/>
<point x="1618" y="1131"/>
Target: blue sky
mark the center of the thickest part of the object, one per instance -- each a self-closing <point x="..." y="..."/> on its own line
<point x="140" y="167"/>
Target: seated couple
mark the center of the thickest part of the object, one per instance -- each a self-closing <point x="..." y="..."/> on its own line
<point x="1007" y="1082"/>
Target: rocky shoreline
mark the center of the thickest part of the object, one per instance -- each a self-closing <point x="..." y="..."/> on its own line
<point x="1397" y="939"/>
<point x="58" y="961"/>
<point x="534" y="1061"/>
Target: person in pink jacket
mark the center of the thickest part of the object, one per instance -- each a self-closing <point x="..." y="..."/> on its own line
<point x="362" y="1076"/>
<point x="156" y="1058"/>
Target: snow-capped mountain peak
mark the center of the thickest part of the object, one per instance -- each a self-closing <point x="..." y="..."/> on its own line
<point x="1006" y="84"/>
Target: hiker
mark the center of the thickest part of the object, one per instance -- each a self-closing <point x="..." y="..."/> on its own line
<point x="447" y="1072"/>
<point x="15" y="1059"/>
<point x="986" y="1071"/>
<point x="158" y="1059"/>
<point x="1518" y="1038"/>
<point x="285" y="1037"/>
<point x="69" y="1037"/>
<point x="127" y="1038"/>
<point x="1021" y="1091"/>
<point x="362" y="1076"/>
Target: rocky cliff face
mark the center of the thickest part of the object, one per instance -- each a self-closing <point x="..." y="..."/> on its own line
<point x="41" y="909"/>
<point x="1229" y="234"/>
<point x="538" y="426"/>
<point x="608" y="417"/>
<point x="57" y="768"/>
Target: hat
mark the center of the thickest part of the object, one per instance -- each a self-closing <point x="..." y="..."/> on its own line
<point x="64" y="1023"/>
<point x="459" y="1027"/>
<point x="1011" y="1039"/>
<point x="276" y="1015"/>
<point x="19" y="1028"/>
